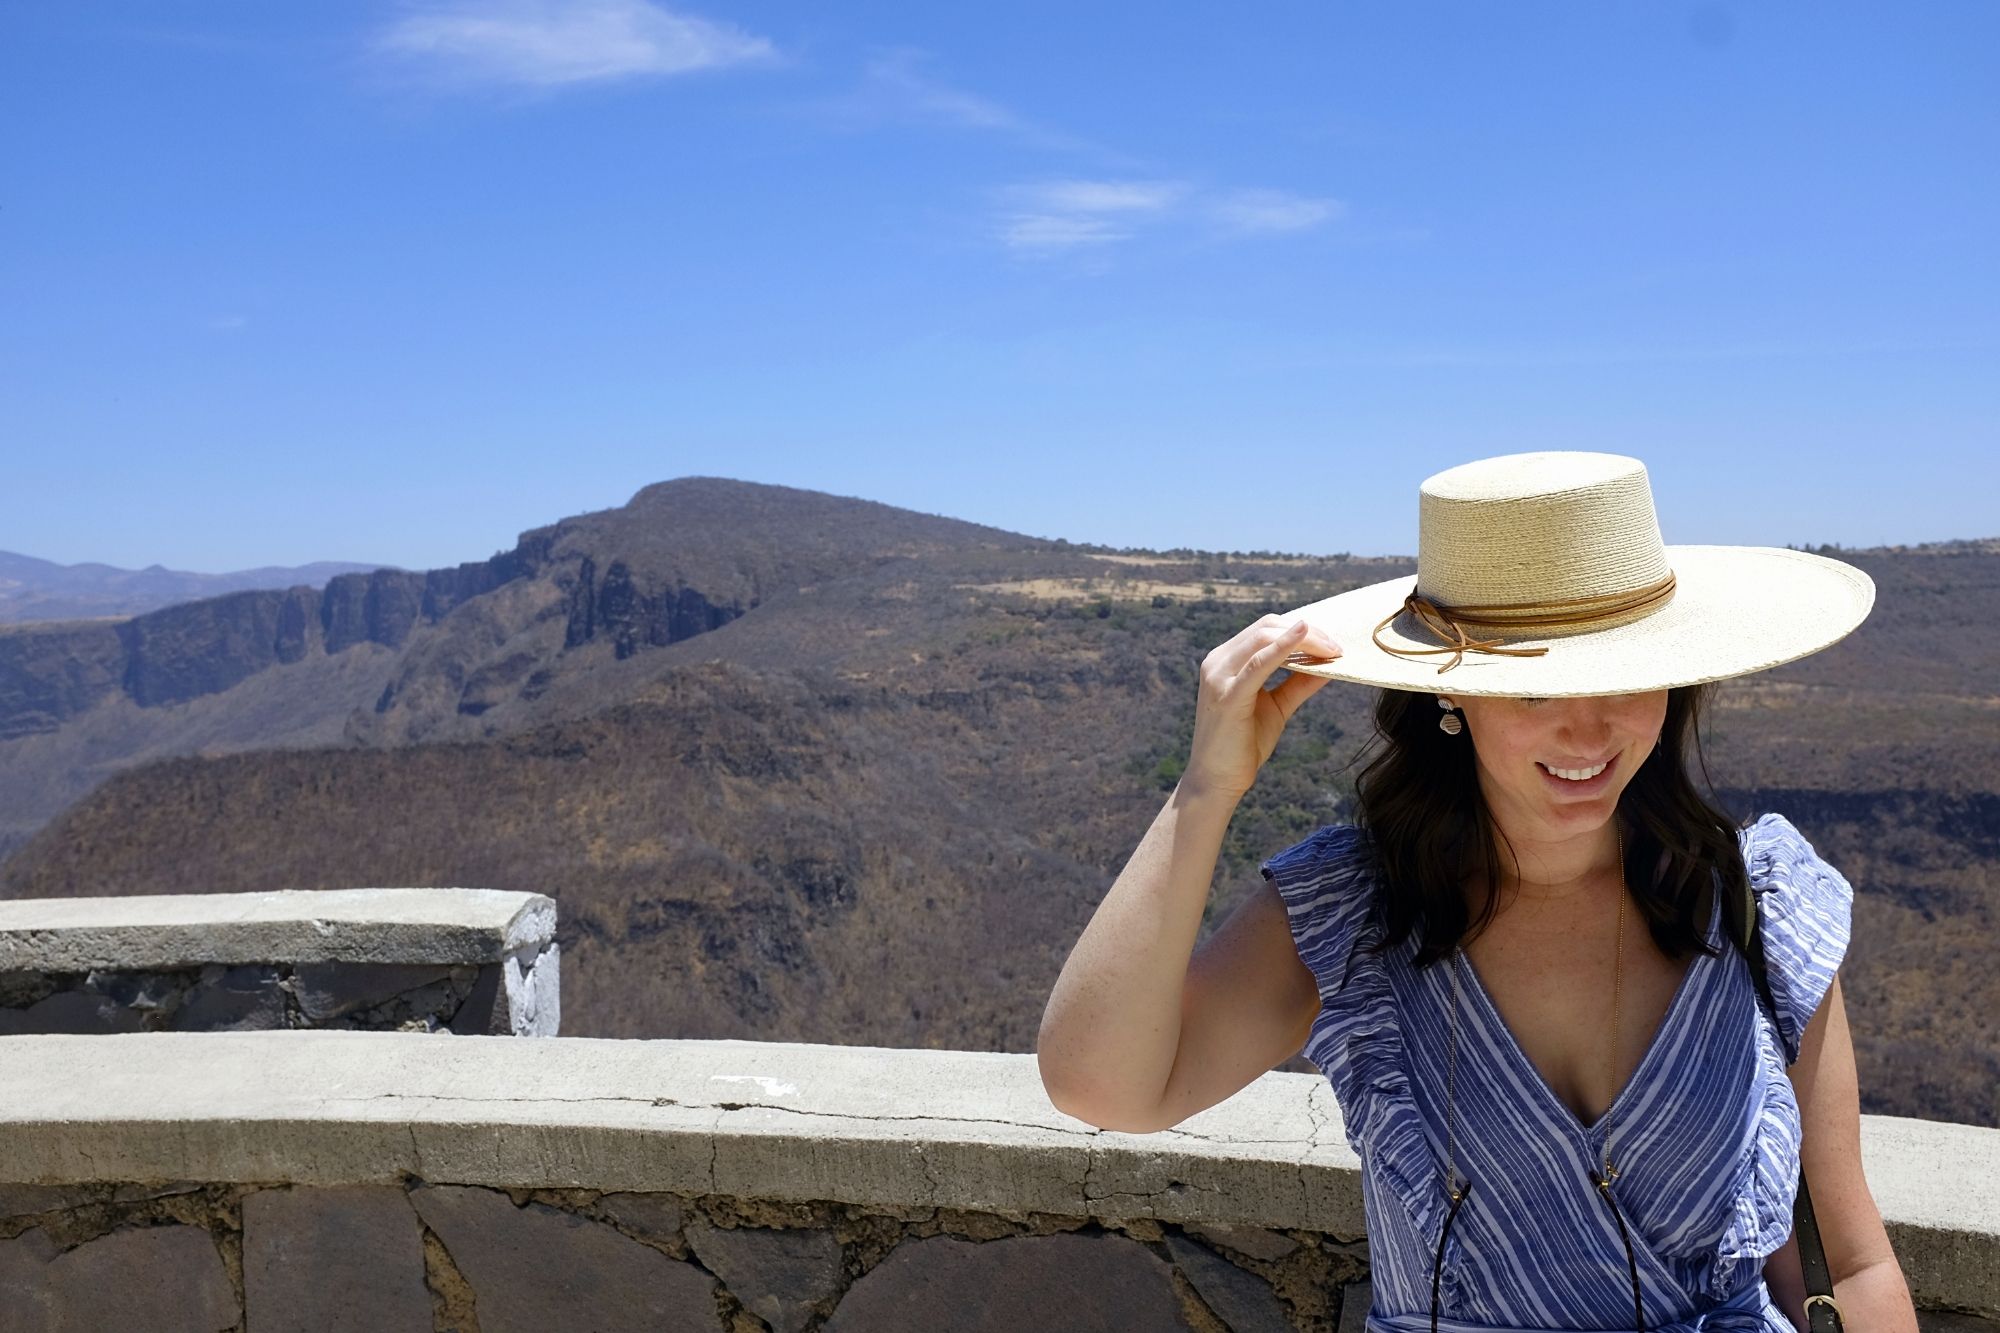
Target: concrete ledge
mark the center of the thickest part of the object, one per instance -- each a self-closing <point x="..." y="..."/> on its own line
<point x="758" y="1120"/>
<point x="441" y="926"/>
<point x="769" y="1120"/>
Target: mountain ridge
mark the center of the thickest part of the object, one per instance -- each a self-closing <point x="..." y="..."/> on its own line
<point x="33" y="590"/>
<point x="879" y="804"/>
<point x="724" y="543"/>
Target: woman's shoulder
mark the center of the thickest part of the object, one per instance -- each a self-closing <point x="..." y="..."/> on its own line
<point x="1805" y="913"/>
<point x="1327" y="880"/>
<point x="1324" y="880"/>
<point x="1330" y="865"/>
<point x="1787" y="873"/>
<point x="1328" y="850"/>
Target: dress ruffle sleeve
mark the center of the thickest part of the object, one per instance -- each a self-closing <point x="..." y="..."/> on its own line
<point x="1803" y="907"/>
<point x="1805" y="910"/>
<point x="1327" y="881"/>
<point x="1324" y="883"/>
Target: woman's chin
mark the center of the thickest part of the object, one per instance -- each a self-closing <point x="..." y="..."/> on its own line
<point x="1573" y="811"/>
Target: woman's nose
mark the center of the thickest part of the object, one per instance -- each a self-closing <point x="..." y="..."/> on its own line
<point x="1585" y="721"/>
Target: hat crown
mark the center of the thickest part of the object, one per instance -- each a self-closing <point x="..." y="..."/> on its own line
<point x="1537" y="529"/>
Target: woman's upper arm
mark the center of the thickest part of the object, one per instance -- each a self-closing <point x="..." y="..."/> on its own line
<point x="1246" y="1007"/>
<point x="1828" y="1093"/>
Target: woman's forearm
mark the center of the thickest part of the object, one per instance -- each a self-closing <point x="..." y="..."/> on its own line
<point x="1111" y="1030"/>
<point x="1876" y="1299"/>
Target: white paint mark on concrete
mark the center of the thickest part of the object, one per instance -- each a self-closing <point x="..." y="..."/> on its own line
<point x="773" y="1087"/>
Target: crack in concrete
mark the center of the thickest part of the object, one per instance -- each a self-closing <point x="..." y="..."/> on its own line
<point x="525" y="1101"/>
<point x="1316" y="1112"/>
<point x="1174" y="1187"/>
<point x="1093" y="1132"/>
<point x="1090" y="1133"/>
<point x="930" y="1175"/>
<point x="1095" y="1159"/>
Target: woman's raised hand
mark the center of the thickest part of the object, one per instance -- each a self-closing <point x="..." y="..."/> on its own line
<point x="1237" y="721"/>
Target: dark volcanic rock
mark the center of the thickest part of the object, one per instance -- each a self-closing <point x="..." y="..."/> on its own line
<point x="537" y="1268"/>
<point x="371" y="608"/>
<point x="295" y="617"/>
<point x="633" y="618"/>
<point x="165" y="1279"/>
<point x="53" y="672"/>
<point x="1243" y="1300"/>
<point x="781" y="1276"/>
<point x="1000" y="1286"/>
<point x="336" y="1258"/>
<point x="196" y="648"/>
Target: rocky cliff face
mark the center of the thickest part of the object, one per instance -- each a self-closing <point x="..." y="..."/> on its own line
<point x="632" y="617"/>
<point x="483" y="648"/>
<point x="682" y="558"/>
<point x="50" y="673"/>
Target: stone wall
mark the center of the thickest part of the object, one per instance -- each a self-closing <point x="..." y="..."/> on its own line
<point x="466" y="961"/>
<point x="423" y="1257"/>
<point x="381" y="1180"/>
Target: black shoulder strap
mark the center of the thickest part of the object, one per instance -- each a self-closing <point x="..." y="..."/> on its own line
<point x="1740" y="909"/>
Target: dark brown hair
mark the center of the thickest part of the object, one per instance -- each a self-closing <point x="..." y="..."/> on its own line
<point x="1427" y="820"/>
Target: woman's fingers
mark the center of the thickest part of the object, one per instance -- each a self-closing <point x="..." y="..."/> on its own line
<point x="1299" y="638"/>
<point x="1261" y="646"/>
<point x="1298" y="688"/>
<point x="1236" y="720"/>
<point x="1233" y="655"/>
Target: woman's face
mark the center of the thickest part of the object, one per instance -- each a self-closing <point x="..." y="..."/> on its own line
<point x="1525" y="746"/>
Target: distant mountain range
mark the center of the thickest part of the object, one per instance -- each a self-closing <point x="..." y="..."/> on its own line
<point x="806" y="767"/>
<point x="32" y="589"/>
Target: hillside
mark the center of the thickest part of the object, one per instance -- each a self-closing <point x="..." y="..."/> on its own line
<point x="807" y="768"/>
<point x="40" y="590"/>
<point x="395" y="656"/>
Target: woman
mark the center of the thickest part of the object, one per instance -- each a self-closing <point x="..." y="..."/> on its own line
<point x="1574" y="1107"/>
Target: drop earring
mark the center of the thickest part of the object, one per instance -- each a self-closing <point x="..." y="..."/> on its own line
<point x="1450" y="724"/>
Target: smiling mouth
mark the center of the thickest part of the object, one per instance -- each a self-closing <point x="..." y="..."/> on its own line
<point x="1574" y="774"/>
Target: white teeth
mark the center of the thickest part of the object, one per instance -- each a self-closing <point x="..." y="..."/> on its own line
<point x="1579" y="774"/>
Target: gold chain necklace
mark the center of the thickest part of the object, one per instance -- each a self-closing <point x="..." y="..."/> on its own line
<point x="1457" y="1189"/>
<point x="1453" y="1187"/>
<point x="1617" y="975"/>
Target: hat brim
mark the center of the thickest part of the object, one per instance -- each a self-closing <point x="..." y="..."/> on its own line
<point x="1735" y="610"/>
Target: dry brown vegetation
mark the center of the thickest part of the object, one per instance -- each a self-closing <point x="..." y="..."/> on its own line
<point x="878" y="805"/>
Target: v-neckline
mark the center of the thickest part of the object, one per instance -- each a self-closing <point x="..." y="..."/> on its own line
<point x="1520" y="1055"/>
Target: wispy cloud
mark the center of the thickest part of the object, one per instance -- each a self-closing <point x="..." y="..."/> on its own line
<point x="1048" y="233"/>
<point x="1049" y="217"/>
<point x="897" y="86"/>
<point x="896" y="73"/>
<point x="544" y="44"/>
<point x="1252" y="211"/>
<point x="1087" y="196"/>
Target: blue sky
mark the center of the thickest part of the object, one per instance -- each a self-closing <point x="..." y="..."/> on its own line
<point x="311" y="280"/>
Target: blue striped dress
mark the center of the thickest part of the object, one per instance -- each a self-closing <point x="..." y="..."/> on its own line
<point x="1705" y="1133"/>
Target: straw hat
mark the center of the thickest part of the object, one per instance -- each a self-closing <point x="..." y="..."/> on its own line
<point x="1544" y="574"/>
